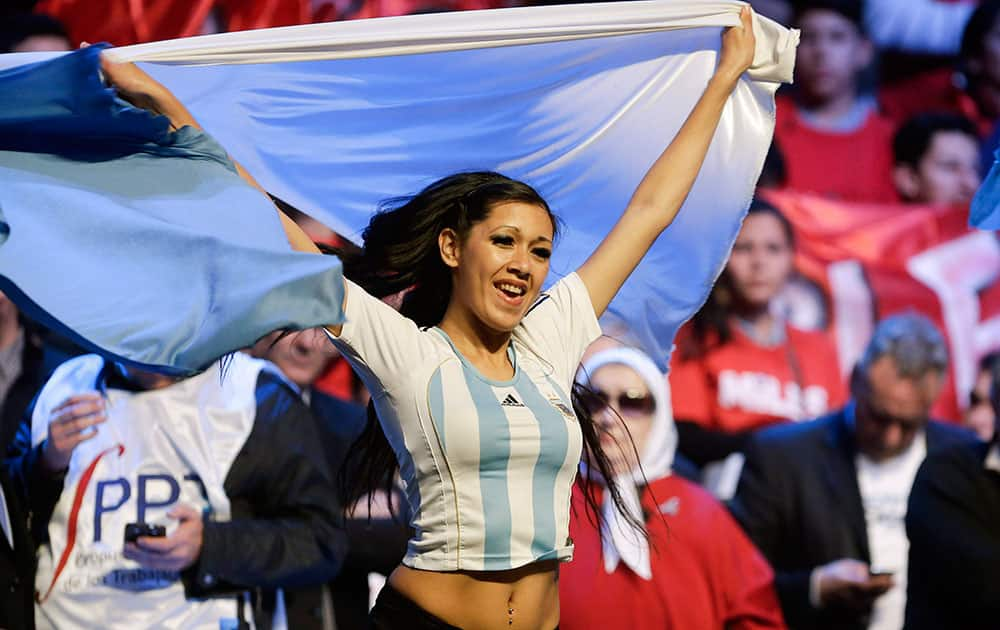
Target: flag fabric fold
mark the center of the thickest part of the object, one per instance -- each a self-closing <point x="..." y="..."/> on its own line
<point x="577" y="100"/>
<point x="137" y="242"/>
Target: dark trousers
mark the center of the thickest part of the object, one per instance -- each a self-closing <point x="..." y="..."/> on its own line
<point x="395" y="611"/>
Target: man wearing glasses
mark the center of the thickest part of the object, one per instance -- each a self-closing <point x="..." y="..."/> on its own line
<point x="825" y="500"/>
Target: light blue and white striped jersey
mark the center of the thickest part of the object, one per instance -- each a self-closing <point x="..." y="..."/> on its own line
<point x="487" y="464"/>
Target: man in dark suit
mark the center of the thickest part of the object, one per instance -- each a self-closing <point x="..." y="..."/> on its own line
<point x="825" y="500"/>
<point x="376" y="541"/>
<point x="953" y="523"/>
<point x="17" y="562"/>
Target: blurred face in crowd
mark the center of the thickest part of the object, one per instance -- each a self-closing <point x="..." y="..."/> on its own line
<point x="301" y="356"/>
<point x="891" y="409"/>
<point x="761" y="261"/>
<point x="831" y="53"/>
<point x="627" y="400"/>
<point x="980" y="416"/>
<point x="41" y="43"/>
<point x="947" y="174"/>
<point x="986" y="66"/>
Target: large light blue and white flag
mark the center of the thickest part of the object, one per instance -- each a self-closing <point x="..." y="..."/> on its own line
<point x="577" y="100"/>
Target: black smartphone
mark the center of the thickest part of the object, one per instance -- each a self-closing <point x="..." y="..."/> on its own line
<point x="134" y="530"/>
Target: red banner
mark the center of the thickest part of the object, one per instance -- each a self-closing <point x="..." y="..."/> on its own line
<point x="860" y="263"/>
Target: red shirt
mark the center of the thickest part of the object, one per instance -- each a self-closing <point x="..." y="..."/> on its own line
<point x="707" y="574"/>
<point x="740" y="385"/>
<point x="853" y="166"/>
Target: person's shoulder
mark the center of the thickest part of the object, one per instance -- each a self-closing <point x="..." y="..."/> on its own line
<point x="339" y="416"/>
<point x="324" y="403"/>
<point x="953" y="473"/>
<point x="964" y="452"/>
<point x="276" y="396"/>
<point x="945" y="434"/>
<point x="808" y="339"/>
<point x="795" y="435"/>
<point x="687" y="492"/>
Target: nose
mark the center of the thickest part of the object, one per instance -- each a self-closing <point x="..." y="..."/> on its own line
<point x="606" y="417"/>
<point x="520" y="263"/>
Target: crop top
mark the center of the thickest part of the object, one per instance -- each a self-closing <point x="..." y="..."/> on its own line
<point x="487" y="465"/>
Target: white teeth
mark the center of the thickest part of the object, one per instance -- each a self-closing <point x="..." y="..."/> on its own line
<point x="510" y="288"/>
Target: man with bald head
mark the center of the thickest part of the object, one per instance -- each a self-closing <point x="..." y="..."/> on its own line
<point x="826" y="500"/>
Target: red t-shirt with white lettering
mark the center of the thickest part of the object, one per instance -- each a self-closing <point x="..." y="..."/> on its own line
<point x="740" y="385"/>
<point x="707" y="574"/>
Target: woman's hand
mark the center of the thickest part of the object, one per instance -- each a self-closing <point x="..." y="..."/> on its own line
<point x="133" y="84"/>
<point x="143" y="91"/>
<point x="738" y="44"/>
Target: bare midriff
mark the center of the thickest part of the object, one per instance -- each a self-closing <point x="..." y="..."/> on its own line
<point x="526" y="598"/>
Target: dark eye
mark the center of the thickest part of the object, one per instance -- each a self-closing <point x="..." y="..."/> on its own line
<point x="542" y="252"/>
<point x="505" y="241"/>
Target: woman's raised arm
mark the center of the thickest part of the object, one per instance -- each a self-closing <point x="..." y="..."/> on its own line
<point x="662" y="191"/>
<point x="138" y="88"/>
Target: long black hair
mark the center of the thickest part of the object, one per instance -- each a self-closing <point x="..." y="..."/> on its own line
<point x="710" y="325"/>
<point x="400" y="253"/>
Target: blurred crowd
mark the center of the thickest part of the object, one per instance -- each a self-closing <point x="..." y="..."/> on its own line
<point x="810" y="460"/>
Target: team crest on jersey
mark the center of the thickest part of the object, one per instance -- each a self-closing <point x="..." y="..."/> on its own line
<point x="563" y="409"/>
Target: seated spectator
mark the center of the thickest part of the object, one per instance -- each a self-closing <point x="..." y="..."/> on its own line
<point x="834" y="140"/>
<point x="739" y="365"/>
<point x="825" y="500"/>
<point x="937" y="160"/>
<point x="228" y="461"/>
<point x="33" y="32"/>
<point x="952" y="523"/>
<point x="697" y="570"/>
<point x="979" y="415"/>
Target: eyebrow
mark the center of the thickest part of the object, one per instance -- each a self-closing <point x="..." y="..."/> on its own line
<point x="543" y="239"/>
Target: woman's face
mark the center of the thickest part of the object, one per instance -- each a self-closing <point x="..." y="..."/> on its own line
<point x="626" y="393"/>
<point x="761" y="261"/>
<point x="500" y="267"/>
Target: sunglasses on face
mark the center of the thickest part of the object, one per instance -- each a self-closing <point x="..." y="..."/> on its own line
<point x="628" y="403"/>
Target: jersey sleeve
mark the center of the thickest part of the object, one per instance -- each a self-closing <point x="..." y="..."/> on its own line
<point x="560" y="326"/>
<point x="382" y="345"/>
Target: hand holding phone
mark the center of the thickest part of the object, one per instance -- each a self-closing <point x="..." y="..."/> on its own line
<point x="134" y="530"/>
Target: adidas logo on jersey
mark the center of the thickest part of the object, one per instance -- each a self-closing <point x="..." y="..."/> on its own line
<point x="510" y="401"/>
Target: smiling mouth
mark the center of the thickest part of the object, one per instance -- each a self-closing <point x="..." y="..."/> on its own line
<point x="510" y="292"/>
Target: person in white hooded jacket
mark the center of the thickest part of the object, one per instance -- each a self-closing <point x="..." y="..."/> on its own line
<point x="695" y="568"/>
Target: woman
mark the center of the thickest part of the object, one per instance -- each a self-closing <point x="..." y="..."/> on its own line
<point x="739" y="365"/>
<point x="477" y="409"/>
<point x="697" y="570"/>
